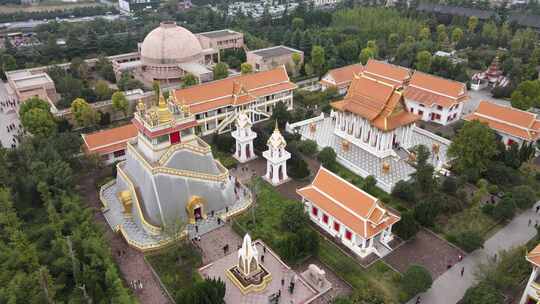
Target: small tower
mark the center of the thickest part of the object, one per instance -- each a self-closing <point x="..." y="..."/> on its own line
<point x="244" y="138"/>
<point x="530" y="295"/>
<point x="248" y="257"/>
<point x="276" y="156"/>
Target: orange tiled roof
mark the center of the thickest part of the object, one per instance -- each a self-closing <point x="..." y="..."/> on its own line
<point x="354" y="208"/>
<point x="387" y="72"/>
<point x="344" y="75"/>
<point x="233" y="90"/>
<point x="379" y="102"/>
<point x="534" y="256"/>
<point x="507" y="120"/>
<point x="110" y="140"/>
<point x="429" y="89"/>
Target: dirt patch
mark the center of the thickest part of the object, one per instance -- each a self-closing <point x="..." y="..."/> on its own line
<point x="426" y="249"/>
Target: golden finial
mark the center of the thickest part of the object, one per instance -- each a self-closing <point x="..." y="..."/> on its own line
<point x="140" y="106"/>
<point x="385" y="167"/>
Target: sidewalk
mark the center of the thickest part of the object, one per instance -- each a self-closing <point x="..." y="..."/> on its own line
<point x="450" y="287"/>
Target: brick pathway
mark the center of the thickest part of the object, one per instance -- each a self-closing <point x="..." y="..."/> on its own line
<point x="339" y="287"/>
<point x="132" y="264"/>
<point x="427" y="250"/>
<point x="212" y="243"/>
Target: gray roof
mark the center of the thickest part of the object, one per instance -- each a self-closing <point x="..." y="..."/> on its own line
<point x="218" y="34"/>
<point x="163" y="197"/>
<point x="526" y="20"/>
<point x="275" y="51"/>
<point x="455" y="10"/>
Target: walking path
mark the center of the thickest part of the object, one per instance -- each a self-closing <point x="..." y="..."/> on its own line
<point x="450" y="287"/>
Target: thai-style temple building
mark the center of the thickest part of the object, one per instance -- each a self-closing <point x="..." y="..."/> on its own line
<point x="373" y="115"/>
<point x="109" y="144"/>
<point x="358" y="220"/>
<point x="373" y="128"/>
<point x="216" y="104"/>
<point x="168" y="180"/>
<point x="492" y="77"/>
<point x="511" y="124"/>
<point x="435" y="99"/>
<point x="244" y="137"/>
<point x="276" y="159"/>
<point x="341" y="78"/>
<point x="531" y="295"/>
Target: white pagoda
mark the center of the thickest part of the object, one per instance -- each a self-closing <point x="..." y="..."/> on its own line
<point x="244" y="137"/>
<point x="276" y="159"/>
<point x="248" y="257"/>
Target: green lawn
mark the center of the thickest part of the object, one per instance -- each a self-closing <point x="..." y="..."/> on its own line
<point x="378" y="278"/>
<point x="470" y="219"/>
<point x="225" y="158"/>
<point x="177" y="267"/>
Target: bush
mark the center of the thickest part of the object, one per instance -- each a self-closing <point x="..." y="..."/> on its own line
<point x="504" y="210"/>
<point x="224" y="142"/>
<point x="427" y="210"/>
<point x="308" y="147"/>
<point x="327" y="157"/>
<point x="296" y="218"/>
<point x="482" y="294"/>
<point x="407" y="227"/>
<point x="369" y="184"/>
<point x="499" y="174"/>
<point x="416" y="279"/>
<point x="449" y="185"/>
<point x="468" y="240"/>
<point x="523" y="196"/>
<point x="405" y="191"/>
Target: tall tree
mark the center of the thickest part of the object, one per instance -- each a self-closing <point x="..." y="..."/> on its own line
<point x="473" y="147"/>
<point x="423" y="61"/>
<point x="318" y="59"/>
<point x="85" y="115"/>
<point x="120" y="102"/>
<point x="221" y="70"/>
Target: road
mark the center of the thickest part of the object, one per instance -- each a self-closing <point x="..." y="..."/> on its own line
<point x="30" y="24"/>
<point x="450" y="287"/>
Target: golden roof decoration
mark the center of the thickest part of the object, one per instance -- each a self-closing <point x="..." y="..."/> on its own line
<point x="163" y="111"/>
<point x="276" y="140"/>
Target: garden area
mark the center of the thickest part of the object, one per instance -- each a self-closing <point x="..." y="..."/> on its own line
<point x="283" y="225"/>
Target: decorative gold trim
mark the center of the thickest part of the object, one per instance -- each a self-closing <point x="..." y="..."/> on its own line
<point x="151" y="228"/>
<point x="252" y="287"/>
<point x="194" y="202"/>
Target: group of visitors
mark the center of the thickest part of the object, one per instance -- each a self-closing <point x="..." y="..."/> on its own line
<point x="10" y="104"/>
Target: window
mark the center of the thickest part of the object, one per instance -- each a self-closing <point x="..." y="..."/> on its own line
<point x="348" y="235"/>
<point x="174" y="137"/>
<point x="314" y="211"/>
<point x="439" y="108"/>
<point x="336" y="226"/>
<point x="120" y="153"/>
<point x="510" y="142"/>
<point x="325" y="218"/>
<point x="420" y="112"/>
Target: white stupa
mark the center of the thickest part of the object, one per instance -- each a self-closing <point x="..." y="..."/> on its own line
<point x="276" y="159"/>
<point x="244" y="138"/>
<point x="248" y="257"/>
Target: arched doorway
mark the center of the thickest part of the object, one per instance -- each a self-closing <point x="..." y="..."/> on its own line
<point x="196" y="209"/>
<point x="280" y="172"/>
<point x="248" y="152"/>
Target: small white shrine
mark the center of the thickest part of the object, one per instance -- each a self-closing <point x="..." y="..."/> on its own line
<point x="248" y="257"/>
<point x="276" y="156"/>
<point x="244" y="137"/>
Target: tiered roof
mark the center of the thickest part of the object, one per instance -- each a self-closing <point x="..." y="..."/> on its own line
<point x="356" y="209"/>
<point x="429" y="89"/>
<point x="534" y="256"/>
<point x="379" y="102"/>
<point x="386" y="72"/>
<point x="508" y="120"/>
<point x="110" y="140"/>
<point x="344" y="75"/>
<point x="235" y="90"/>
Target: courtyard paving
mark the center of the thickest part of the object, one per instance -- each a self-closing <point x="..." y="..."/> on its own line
<point x="364" y="163"/>
<point x="424" y="249"/>
<point x="8" y="117"/>
<point x="302" y="291"/>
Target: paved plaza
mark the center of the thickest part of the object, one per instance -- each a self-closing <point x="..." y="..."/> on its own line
<point x="303" y="293"/>
<point x="364" y="163"/>
<point x="425" y="249"/>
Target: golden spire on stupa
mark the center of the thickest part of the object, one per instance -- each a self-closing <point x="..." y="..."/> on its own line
<point x="164" y="114"/>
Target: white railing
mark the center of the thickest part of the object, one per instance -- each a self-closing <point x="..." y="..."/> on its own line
<point x="433" y="136"/>
<point x="290" y="127"/>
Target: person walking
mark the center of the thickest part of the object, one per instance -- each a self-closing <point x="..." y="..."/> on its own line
<point x="537" y="208"/>
<point x="462" y="270"/>
<point x="418" y="300"/>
